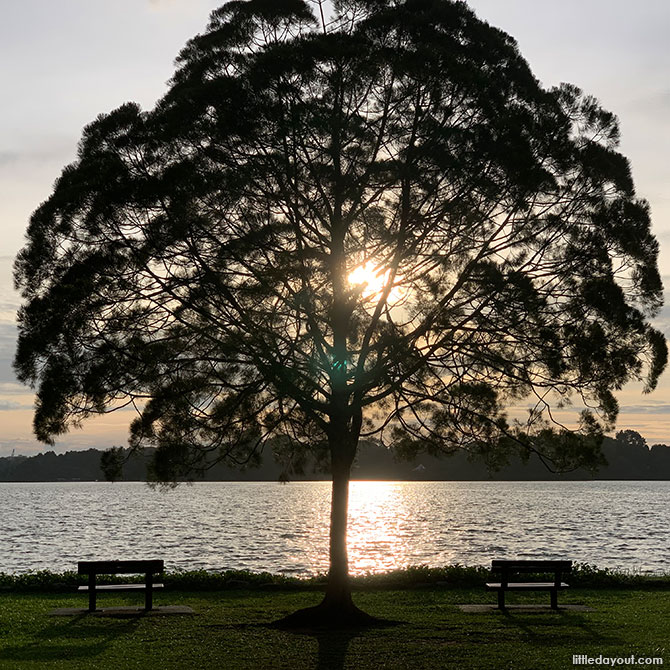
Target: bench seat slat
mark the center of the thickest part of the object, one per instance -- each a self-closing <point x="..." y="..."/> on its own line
<point x="121" y="587"/>
<point x="498" y="564"/>
<point x="528" y="586"/>
<point x="119" y="567"/>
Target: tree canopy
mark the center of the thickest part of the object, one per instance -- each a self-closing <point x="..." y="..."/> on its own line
<point x="373" y="223"/>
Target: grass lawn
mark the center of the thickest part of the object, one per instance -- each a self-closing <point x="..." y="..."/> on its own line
<point x="229" y="631"/>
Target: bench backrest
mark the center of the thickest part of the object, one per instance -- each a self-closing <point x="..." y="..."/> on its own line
<point x="498" y="565"/>
<point x="119" y="567"/>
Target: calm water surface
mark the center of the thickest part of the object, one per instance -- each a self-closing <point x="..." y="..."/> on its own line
<point x="284" y="528"/>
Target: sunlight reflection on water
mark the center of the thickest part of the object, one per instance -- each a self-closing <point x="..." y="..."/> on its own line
<point x="267" y="526"/>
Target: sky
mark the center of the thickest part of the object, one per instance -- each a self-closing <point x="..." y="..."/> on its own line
<point x="65" y="62"/>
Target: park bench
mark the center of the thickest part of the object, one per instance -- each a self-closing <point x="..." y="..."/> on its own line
<point x="509" y="568"/>
<point x="95" y="568"/>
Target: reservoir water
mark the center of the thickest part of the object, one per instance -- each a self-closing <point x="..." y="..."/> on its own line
<point x="264" y="526"/>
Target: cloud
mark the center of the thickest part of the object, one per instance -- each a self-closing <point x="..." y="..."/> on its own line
<point x="48" y="153"/>
<point x="8" y="157"/>
<point x="651" y="408"/>
<point x="8" y="335"/>
<point x="11" y="405"/>
<point x="13" y="388"/>
<point x="662" y="319"/>
<point x="652" y="103"/>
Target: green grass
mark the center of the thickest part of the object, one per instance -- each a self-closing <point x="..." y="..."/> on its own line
<point x="230" y="631"/>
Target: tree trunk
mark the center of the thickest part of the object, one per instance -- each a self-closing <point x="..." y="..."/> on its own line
<point x="338" y="592"/>
<point x="337" y="609"/>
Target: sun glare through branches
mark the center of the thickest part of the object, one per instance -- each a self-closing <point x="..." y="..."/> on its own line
<point x="371" y="280"/>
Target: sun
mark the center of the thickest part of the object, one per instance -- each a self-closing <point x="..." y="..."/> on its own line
<point x="370" y="280"/>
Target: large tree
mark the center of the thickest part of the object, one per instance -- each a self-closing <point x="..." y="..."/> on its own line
<point x="370" y="223"/>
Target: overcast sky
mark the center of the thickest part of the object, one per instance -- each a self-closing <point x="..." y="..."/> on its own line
<point x="66" y="61"/>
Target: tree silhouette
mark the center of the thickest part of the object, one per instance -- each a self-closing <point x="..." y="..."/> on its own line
<point x="377" y="223"/>
<point x="631" y="439"/>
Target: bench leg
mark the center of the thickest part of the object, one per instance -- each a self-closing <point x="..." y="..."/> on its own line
<point x="91" y="593"/>
<point x="501" y="599"/>
<point x="149" y="593"/>
<point x="554" y="599"/>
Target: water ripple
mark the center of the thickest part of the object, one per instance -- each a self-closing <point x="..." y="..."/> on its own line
<point x="271" y="527"/>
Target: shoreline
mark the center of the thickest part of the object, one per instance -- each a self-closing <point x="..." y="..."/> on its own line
<point x="413" y="577"/>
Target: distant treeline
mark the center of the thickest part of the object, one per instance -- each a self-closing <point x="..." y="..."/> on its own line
<point x="627" y="456"/>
